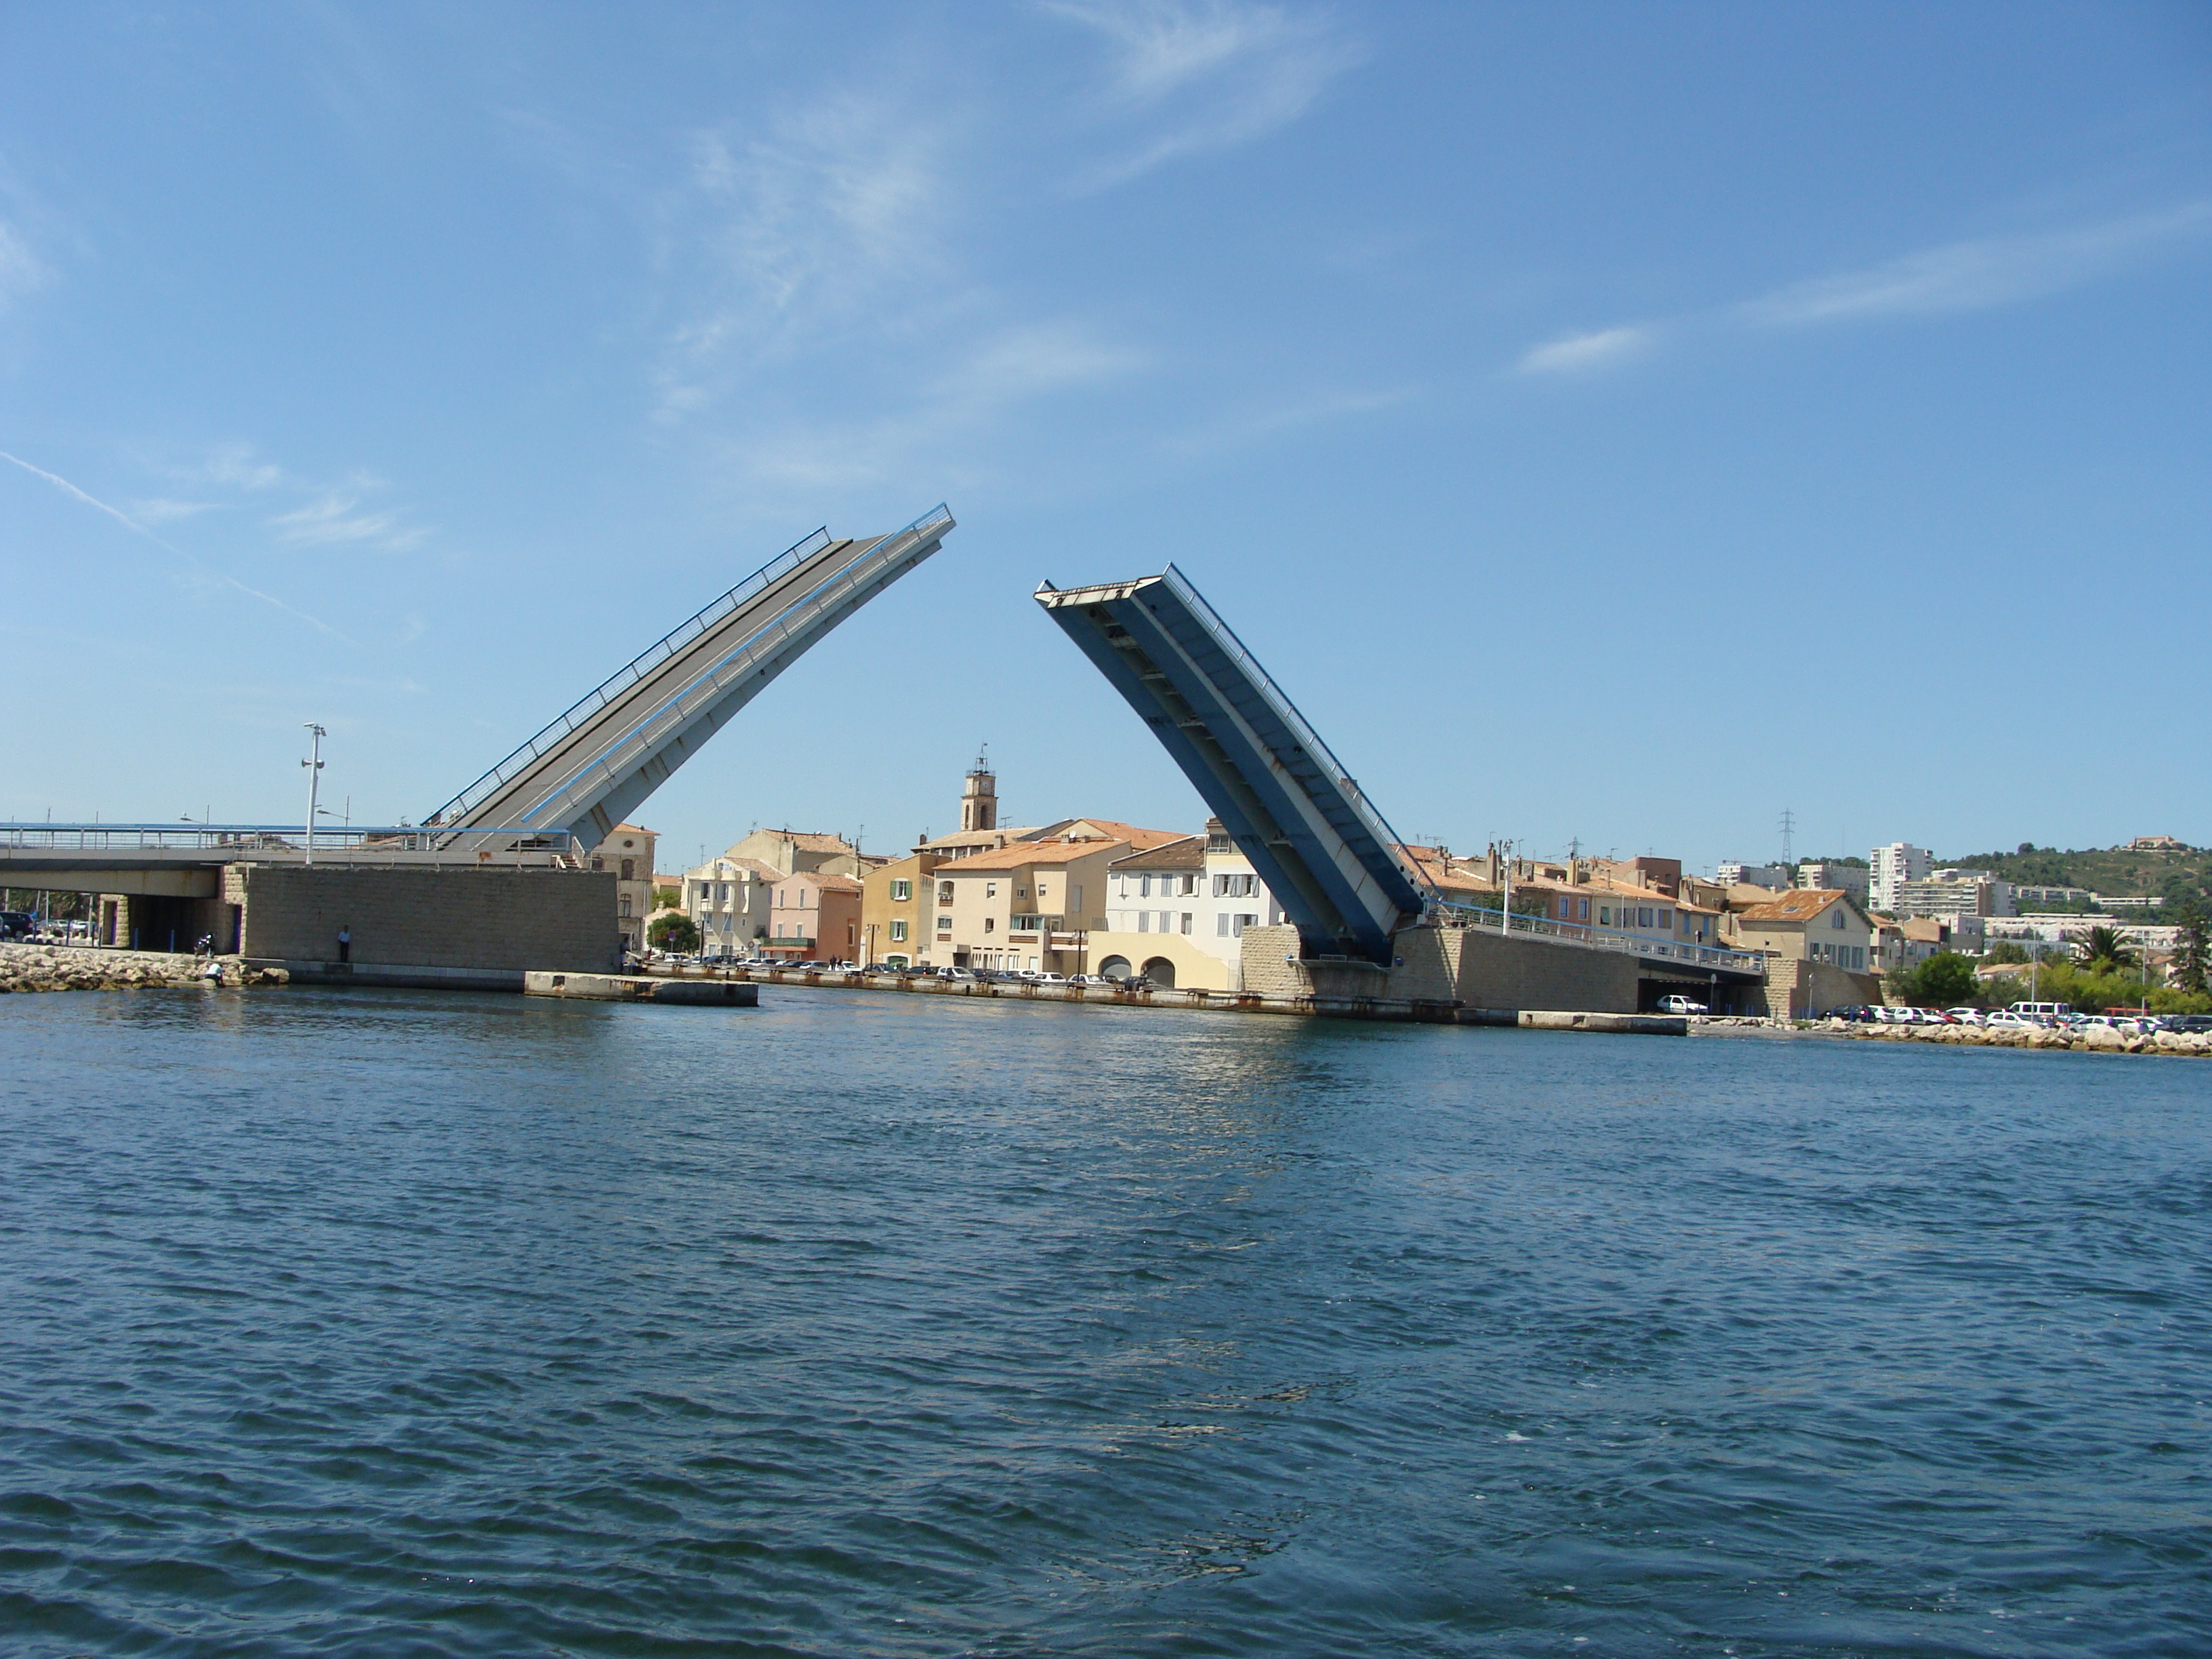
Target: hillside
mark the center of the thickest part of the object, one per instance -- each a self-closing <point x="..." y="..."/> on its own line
<point x="2171" y="875"/>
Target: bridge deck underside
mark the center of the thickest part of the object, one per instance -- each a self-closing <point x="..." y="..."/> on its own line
<point x="1306" y="829"/>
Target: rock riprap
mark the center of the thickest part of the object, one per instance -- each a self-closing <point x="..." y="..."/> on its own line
<point x="75" y="968"/>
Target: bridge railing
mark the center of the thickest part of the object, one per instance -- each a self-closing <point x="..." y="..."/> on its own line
<point x="1301" y="729"/>
<point x="633" y="747"/>
<point x="1607" y="938"/>
<point x="233" y="840"/>
<point x="565" y="724"/>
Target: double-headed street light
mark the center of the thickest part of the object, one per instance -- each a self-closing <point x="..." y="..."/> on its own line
<point x="314" y="765"/>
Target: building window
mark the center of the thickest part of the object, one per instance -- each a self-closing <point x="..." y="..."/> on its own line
<point x="944" y="892"/>
<point x="901" y="891"/>
<point x="629" y="870"/>
<point x="990" y="890"/>
<point x="598" y="863"/>
<point x="1144" y="921"/>
<point x="898" y="932"/>
<point x="945" y="924"/>
<point x="990" y="923"/>
<point x="1838" y="920"/>
<point x="1644" y="916"/>
<point x="1075" y="897"/>
<point x="625" y="904"/>
<point x="1221" y="925"/>
<point x="1144" y="887"/>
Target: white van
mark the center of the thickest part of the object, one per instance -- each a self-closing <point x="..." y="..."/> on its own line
<point x="2040" y="1010"/>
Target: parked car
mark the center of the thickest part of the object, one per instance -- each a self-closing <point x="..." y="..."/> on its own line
<point x="1967" y="1016"/>
<point x="2005" y="1020"/>
<point x="1088" y="979"/>
<point x="17" y="924"/>
<point x="1682" y="1006"/>
<point x="1050" y="979"/>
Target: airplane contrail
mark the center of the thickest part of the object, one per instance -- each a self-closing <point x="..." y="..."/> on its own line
<point x="200" y="565"/>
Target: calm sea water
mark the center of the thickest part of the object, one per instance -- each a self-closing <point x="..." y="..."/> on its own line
<point x="403" y="1324"/>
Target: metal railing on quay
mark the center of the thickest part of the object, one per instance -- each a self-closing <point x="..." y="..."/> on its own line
<point x="1606" y="938"/>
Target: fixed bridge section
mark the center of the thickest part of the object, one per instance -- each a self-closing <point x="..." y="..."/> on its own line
<point x="594" y="765"/>
<point x="1287" y="803"/>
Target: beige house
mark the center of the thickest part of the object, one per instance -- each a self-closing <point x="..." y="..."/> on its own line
<point x="628" y="851"/>
<point x="793" y="850"/>
<point x="1178" y="914"/>
<point x="1031" y="904"/>
<point x="894" y="910"/>
<point x="1810" y="924"/>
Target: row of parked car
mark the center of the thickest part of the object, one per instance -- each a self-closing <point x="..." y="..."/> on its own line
<point x="2028" y="1017"/>
<point x="976" y="976"/>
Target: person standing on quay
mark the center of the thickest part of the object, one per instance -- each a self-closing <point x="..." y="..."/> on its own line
<point x="345" y="944"/>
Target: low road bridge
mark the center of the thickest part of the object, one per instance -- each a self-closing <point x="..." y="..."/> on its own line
<point x="1289" y="804"/>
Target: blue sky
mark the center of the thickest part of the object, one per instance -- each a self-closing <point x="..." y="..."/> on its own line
<point x="1614" y="423"/>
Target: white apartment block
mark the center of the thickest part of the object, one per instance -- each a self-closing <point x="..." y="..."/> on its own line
<point x="1890" y="867"/>
<point x="729" y="901"/>
<point x="1833" y="877"/>
<point x="1734" y="873"/>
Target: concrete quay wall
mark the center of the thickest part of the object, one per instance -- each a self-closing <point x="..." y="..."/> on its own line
<point x="1465" y="967"/>
<point x="461" y="927"/>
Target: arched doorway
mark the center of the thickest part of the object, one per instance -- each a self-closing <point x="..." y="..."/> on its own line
<point x="1161" y="972"/>
<point x="1115" y="967"/>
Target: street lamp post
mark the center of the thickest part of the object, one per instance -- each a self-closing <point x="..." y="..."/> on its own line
<point x="314" y="765"/>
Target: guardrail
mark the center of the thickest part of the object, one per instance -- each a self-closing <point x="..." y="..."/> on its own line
<point x="632" y="747"/>
<point x="1606" y="938"/>
<point x="237" y="838"/>
<point x="565" y="724"/>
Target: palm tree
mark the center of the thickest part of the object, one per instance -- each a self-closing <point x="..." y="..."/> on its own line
<point x="2104" y="951"/>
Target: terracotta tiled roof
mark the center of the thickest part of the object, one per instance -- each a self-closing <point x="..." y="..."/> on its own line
<point x="1189" y="854"/>
<point x="1799" y="904"/>
<point x="1141" y="838"/>
<point x="1022" y="855"/>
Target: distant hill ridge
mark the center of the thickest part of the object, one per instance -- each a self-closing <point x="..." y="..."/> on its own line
<point x="2115" y="871"/>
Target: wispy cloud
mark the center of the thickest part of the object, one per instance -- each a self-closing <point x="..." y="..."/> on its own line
<point x="161" y="509"/>
<point x="1207" y="75"/>
<point x="1580" y="353"/>
<point x="335" y="519"/>
<point x="1976" y="274"/>
<point x="827" y="221"/>
<point x="200" y="567"/>
<point x="20" y="270"/>
<point x="982" y="394"/>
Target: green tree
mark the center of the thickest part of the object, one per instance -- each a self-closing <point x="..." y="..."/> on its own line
<point x="2004" y="951"/>
<point x="1944" y="981"/>
<point x="674" y="933"/>
<point x="2104" y="951"/>
<point x="667" y="898"/>
<point x="2188" y="947"/>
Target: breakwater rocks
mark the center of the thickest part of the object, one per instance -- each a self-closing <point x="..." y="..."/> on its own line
<point x="2090" y="1039"/>
<point x="75" y="968"/>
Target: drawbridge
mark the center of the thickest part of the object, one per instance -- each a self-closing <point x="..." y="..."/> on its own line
<point x="595" y="764"/>
<point x="1287" y="801"/>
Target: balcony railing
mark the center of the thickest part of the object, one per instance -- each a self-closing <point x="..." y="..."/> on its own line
<point x="1686" y="951"/>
